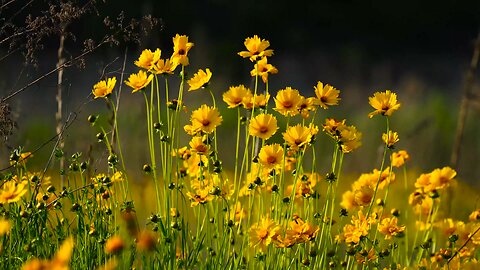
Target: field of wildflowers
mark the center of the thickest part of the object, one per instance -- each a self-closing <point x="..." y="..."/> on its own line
<point x="274" y="209"/>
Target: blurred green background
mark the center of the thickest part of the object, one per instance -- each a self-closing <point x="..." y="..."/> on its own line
<point x="419" y="49"/>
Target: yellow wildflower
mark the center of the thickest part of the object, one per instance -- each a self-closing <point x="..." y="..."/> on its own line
<point x="398" y="158"/>
<point x="327" y="95"/>
<point x="139" y="81"/>
<point x="288" y="101"/>
<point x="146" y="241"/>
<point x="104" y="87"/>
<point x="5" y="227"/>
<point x="262" y="69"/>
<point x="12" y="191"/>
<point x="271" y="156"/>
<point x="166" y="66"/>
<point x="197" y="145"/>
<point x="298" y="136"/>
<point x="181" y="46"/>
<point x="263" y="233"/>
<point x="349" y="138"/>
<point x="200" y="79"/>
<point x="148" y="59"/>
<point x="306" y="106"/>
<point x="236" y="95"/>
<point x="384" y="103"/>
<point x="256" y="48"/>
<point x="263" y="126"/>
<point x="114" y="245"/>
<point x="389" y="227"/>
<point x="257" y="101"/>
<point x="206" y="119"/>
<point x="390" y="138"/>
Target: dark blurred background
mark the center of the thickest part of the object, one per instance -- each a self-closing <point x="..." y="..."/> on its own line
<point x="420" y="49"/>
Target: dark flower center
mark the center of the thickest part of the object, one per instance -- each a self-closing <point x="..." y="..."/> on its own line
<point x="181" y="51"/>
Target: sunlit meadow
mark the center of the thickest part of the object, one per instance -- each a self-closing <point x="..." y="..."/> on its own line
<point x="275" y="208"/>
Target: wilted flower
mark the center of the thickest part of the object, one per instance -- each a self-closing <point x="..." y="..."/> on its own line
<point x="390" y="138"/>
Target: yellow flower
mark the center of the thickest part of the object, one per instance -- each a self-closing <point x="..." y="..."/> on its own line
<point x="263" y="126"/>
<point x="200" y="79"/>
<point x="21" y="158"/>
<point x="390" y="138"/>
<point x="271" y="156"/>
<point x="306" y="106"/>
<point x="327" y="95"/>
<point x="181" y="46"/>
<point x="441" y="178"/>
<point x="474" y="216"/>
<point x="206" y="119"/>
<point x="263" y="233"/>
<point x="298" y="136"/>
<point x="104" y="88"/>
<point x="114" y="245"/>
<point x="257" y="101"/>
<point x="5" y="227"/>
<point x="148" y="59"/>
<point x="360" y="227"/>
<point x="262" y="68"/>
<point x="236" y="95"/>
<point x="146" y="241"/>
<point x="256" y="48"/>
<point x="300" y="232"/>
<point x="384" y="103"/>
<point x="332" y="127"/>
<point x="368" y="257"/>
<point x="60" y="261"/>
<point x="197" y="144"/>
<point x="287" y="101"/>
<point x="398" y="158"/>
<point x="389" y="227"/>
<point x="201" y="196"/>
<point x="164" y="66"/>
<point x="139" y="81"/>
<point x="304" y="187"/>
<point x="12" y="192"/>
<point x="349" y="138"/>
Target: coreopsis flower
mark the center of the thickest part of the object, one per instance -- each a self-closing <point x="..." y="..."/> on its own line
<point x="306" y="106"/>
<point x="61" y="260"/>
<point x="389" y="227"/>
<point x="424" y="207"/>
<point x="271" y="156"/>
<point x="200" y="79"/>
<point x="390" y="138"/>
<point x="21" y="159"/>
<point x="349" y="138"/>
<point x="304" y="187"/>
<point x="104" y="87"/>
<point x="148" y="59"/>
<point x="300" y="232"/>
<point x="198" y="145"/>
<point x="201" y="196"/>
<point x="288" y="101"/>
<point x="367" y="257"/>
<point x="236" y="95"/>
<point x="206" y="119"/>
<point x="384" y="103"/>
<point x="5" y="227"/>
<point x="332" y="127"/>
<point x="299" y="135"/>
<point x="348" y="200"/>
<point x="262" y="68"/>
<point x="263" y="126"/>
<point x="263" y="233"/>
<point x="195" y="164"/>
<point x="256" y="48"/>
<point x="146" y="241"/>
<point x="12" y="191"/>
<point x="181" y="47"/>
<point x="385" y="178"/>
<point x="363" y="195"/>
<point x="327" y="95"/>
<point x="257" y="101"/>
<point x="114" y="245"/>
<point x="441" y="178"/>
<point x="237" y="213"/>
<point x="398" y="158"/>
<point x="166" y="66"/>
<point x="139" y="80"/>
<point x="474" y="216"/>
<point x="360" y="227"/>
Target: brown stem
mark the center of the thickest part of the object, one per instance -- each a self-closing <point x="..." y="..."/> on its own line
<point x="58" y="115"/>
<point x="462" y="115"/>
